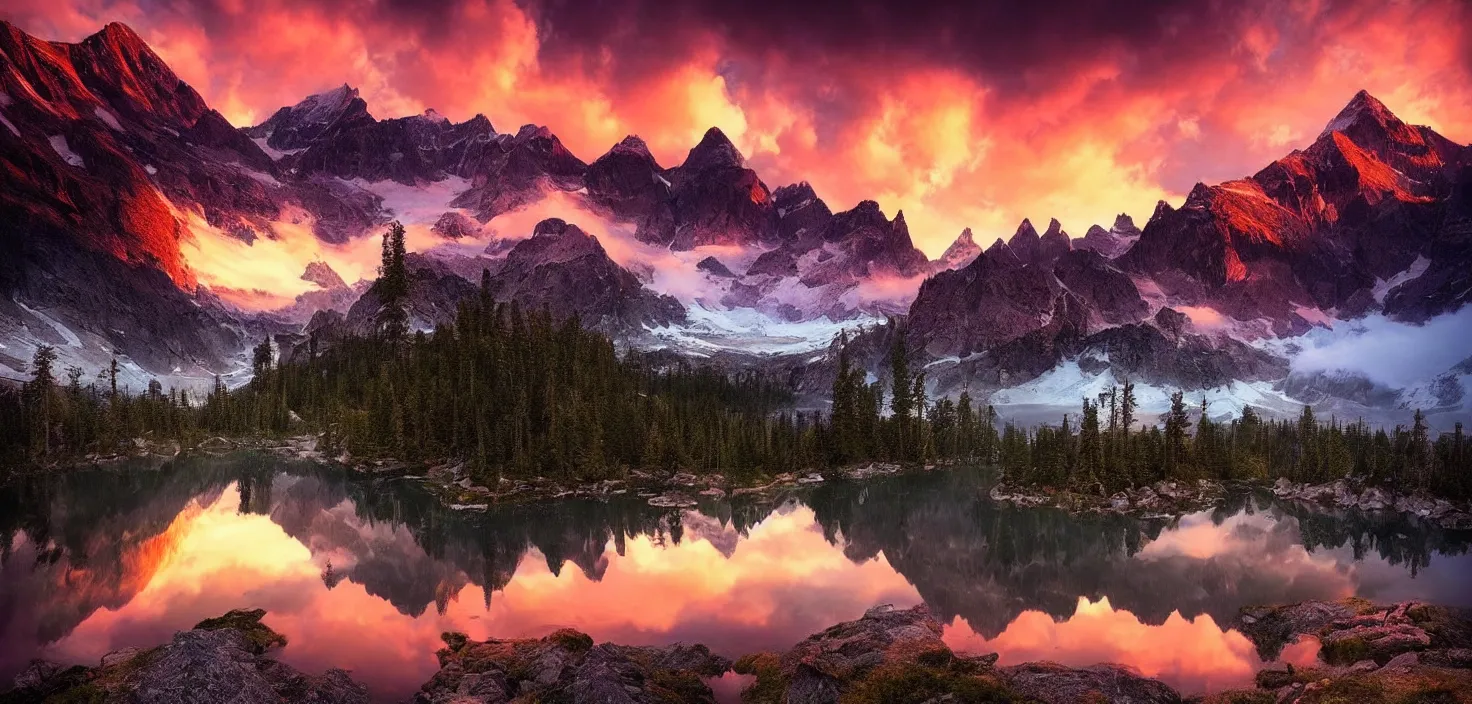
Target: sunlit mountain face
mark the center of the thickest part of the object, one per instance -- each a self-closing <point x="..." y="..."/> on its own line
<point x="365" y="575"/>
<point x="1265" y="203"/>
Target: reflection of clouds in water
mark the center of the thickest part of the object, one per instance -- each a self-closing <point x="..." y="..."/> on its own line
<point x="758" y="578"/>
<point x="1195" y="655"/>
<point x="784" y="578"/>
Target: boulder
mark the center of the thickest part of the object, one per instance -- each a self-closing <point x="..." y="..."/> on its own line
<point x="567" y="666"/>
<point x="897" y="655"/>
<point x="1271" y="628"/>
<point x="1051" y="683"/>
<point x="220" y="660"/>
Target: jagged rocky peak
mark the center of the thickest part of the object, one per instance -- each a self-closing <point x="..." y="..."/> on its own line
<point x="1025" y="231"/>
<point x="555" y="227"/>
<point x="1000" y="251"/>
<point x="1162" y="209"/>
<point x="714" y="151"/>
<point x="633" y="144"/>
<point x="960" y="253"/>
<point x="866" y="214"/>
<point x="800" y="210"/>
<point x="453" y="224"/>
<point x="530" y="131"/>
<point x="1025" y="242"/>
<point x="300" y="125"/>
<point x="322" y="274"/>
<point x="1363" y="110"/>
<point x="714" y="267"/>
<point x="1124" y="225"/>
<point x="899" y="227"/>
<point x="793" y="196"/>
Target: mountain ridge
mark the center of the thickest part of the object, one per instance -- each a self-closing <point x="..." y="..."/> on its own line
<point x="127" y="166"/>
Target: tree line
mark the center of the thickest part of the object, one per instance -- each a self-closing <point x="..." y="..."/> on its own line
<point x="515" y="393"/>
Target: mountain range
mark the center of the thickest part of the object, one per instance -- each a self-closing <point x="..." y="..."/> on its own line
<point x="137" y="222"/>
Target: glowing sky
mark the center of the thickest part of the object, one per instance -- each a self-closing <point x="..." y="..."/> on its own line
<point x="960" y="115"/>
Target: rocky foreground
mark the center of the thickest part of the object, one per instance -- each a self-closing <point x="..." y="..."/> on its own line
<point x="220" y="660"/>
<point x="1406" y="652"/>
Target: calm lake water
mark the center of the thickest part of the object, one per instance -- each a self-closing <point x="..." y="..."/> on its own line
<point x="365" y="575"/>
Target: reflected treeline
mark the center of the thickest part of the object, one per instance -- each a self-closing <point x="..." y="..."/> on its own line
<point x="74" y="543"/>
<point x="987" y="562"/>
<point x="402" y="545"/>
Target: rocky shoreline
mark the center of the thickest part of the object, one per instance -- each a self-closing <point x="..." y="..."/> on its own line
<point x="449" y="480"/>
<point x="1167" y="499"/>
<point x="1161" y="500"/>
<point x="1406" y="652"/>
<point x="1346" y="494"/>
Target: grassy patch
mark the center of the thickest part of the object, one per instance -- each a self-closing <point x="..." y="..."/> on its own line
<point x="915" y="683"/>
<point x="571" y="640"/>
<point x="1344" y="651"/>
<point x="770" y="686"/>
<point x="1241" y="696"/>
<point x="248" y="622"/>
<point x="677" y="687"/>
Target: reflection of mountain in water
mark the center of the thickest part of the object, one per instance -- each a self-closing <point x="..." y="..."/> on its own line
<point x="402" y="546"/>
<point x="75" y="543"/>
<point x="987" y="563"/>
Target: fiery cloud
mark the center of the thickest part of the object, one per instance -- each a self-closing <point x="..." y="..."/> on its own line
<point x="961" y="115"/>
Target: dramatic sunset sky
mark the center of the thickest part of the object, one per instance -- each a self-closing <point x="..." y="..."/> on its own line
<point x="961" y="114"/>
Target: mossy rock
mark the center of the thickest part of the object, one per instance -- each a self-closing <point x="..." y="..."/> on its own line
<point x="770" y="686"/>
<point x="1240" y="696"/>
<point x="677" y="687"/>
<point x="915" y="683"/>
<point x="1344" y="651"/>
<point x="248" y="622"/>
<point x="572" y="640"/>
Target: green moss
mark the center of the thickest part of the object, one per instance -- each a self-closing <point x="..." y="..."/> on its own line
<point x="454" y="641"/>
<point x="677" y="687"/>
<point x="571" y="640"/>
<point x="915" y="683"/>
<point x="248" y="622"/>
<point x="770" y="686"/>
<point x="1251" y="696"/>
<point x="1345" y="651"/>
<point x="70" y="686"/>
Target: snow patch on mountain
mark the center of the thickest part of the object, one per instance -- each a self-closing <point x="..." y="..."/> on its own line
<point x="1066" y="385"/>
<point x="65" y="332"/>
<point x="416" y="205"/>
<point x="1414" y="271"/>
<point x="108" y="118"/>
<point x="275" y="154"/>
<point x="708" y="331"/>
<point x="58" y="143"/>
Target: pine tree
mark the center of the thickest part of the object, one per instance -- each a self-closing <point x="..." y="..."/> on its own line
<point x="1176" y="459"/>
<point x="901" y="394"/>
<point x="392" y="286"/>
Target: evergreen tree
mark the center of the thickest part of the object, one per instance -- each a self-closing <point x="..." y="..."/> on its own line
<point x="392" y="286"/>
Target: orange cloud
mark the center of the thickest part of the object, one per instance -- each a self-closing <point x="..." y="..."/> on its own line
<point x="956" y="127"/>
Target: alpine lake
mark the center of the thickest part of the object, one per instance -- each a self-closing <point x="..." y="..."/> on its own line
<point x="366" y="573"/>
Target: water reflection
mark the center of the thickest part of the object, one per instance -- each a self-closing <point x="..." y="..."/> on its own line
<point x="366" y="574"/>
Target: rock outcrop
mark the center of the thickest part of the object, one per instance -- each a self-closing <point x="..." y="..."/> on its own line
<point x="1347" y="494"/>
<point x="221" y="659"/>
<point x="898" y="655"/>
<point x="1397" y="653"/>
<point x="567" y="666"/>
